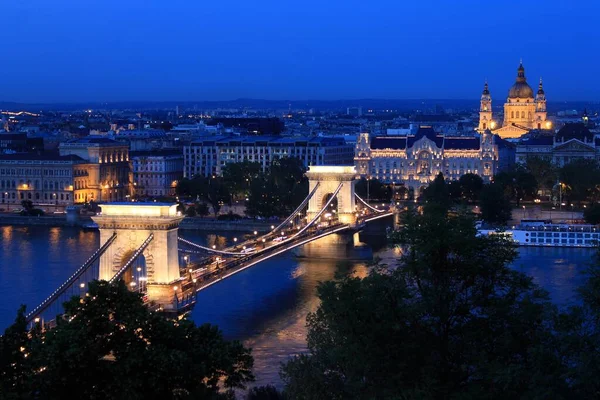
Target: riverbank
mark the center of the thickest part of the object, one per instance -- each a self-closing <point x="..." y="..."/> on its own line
<point x="201" y="224"/>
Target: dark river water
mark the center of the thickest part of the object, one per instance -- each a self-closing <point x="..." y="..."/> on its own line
<point x="264" y="306"/>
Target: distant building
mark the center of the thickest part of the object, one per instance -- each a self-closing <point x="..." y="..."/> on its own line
<point x="207" y="156"/>
<point x="45" y="179"/>
<point x="142" y="140"/>
<point x="20" y="143"/>
<point x="249" y="126"/>
<point x="109" y="175"/>
<point x="354" y="111"/>
<point x="571" y="142"/>
<point x="523" y="111"/>
<point x="415" y="160"/>
<point x="156" y="173"/>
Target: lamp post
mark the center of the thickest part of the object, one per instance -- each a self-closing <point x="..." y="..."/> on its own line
<point x="368" y="186"/>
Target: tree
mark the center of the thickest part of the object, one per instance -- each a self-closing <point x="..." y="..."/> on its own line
<point x="109" y="345"/>
<point x="14" y="364"/>
<point x="190" y="212"/>
<point x="211" y="189"/>
<point x="494" y="205"/>
<point x="437" y="192"/>
<point x="453" y="321"/>
<point x="267" y="392"/>
<point x="543" y="170"/>
<point x="239" y="176"/>
<point x="279" y="191"/>
<point x="581" y="178"/>
<point x="202" y="209"/>
<point x="592" y="214"/>
<point x="27" y="205"/>
<point x="470" y="186"/>
<point x="373" y="189"/>
<point x="518" y="184"/>
<point x="578" y="340"/>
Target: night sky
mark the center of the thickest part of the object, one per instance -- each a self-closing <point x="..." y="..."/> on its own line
<point x="162" y="50"/>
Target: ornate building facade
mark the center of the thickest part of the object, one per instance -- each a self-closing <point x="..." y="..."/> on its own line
<point x="415" y="160"/>
<point x="571" y="142"/>
<point x="523" y="111"/>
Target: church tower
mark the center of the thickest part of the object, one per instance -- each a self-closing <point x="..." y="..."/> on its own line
<point x="540" y="108"/>
<point x="485" y="110"/>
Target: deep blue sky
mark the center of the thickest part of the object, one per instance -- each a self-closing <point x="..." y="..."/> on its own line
<point x="108" y="50"/>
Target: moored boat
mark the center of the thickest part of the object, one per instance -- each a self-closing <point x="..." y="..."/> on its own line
<point x="551" y="235"/>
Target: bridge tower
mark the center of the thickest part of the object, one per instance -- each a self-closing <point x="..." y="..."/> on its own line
<point x="329" y="178"/>
<point x="134" y="223"/>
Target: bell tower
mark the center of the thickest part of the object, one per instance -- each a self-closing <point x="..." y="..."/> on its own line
<point x="485" y="110"/>
<point x="540" y="108"/>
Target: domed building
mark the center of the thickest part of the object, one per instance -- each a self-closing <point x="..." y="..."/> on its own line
<point x="523" y="111"/>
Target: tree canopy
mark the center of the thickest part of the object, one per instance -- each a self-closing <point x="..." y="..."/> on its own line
<point x="212" y="189"/>
<point x="581" y="180"/>
<point x="278" y="191"/>
<point x="373" y="189"/>
<point x="110" y="346"/>
<point x="452" y="321"/>
<point x="494" y="205"/>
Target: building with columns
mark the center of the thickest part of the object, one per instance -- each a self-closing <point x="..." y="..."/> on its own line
<point x="109" y="175"/>
<point x="49" y="181"/>
<point x="415" y="160"/>
<point x="573" y="141"/>
<point x="523" y="111"/>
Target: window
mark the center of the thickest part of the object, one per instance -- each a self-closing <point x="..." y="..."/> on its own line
<point x="512" y="114"/>
<point x="523" y="114"/>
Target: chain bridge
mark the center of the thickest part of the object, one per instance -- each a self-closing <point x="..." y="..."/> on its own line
<point x="140" y="244"/>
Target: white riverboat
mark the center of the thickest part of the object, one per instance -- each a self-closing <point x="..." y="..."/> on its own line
<point x="550" y="235"/>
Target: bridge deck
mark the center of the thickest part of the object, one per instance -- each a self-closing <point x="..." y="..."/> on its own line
<point x="209" y="272"/>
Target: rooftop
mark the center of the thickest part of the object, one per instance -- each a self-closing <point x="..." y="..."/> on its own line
<point x="40" y="157"/>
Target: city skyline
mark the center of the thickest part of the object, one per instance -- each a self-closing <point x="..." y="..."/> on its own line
<point x="143" y="51"/>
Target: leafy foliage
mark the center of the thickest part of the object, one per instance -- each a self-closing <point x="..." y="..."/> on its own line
<point x="518" y="184"/>
<point x="373" y="189"/>
<point x="453" y="321"/>
<point x="494" y="205"/>
<point x="544" y="172"/>
<point x="110" y="346"/>
<point x="211" y="189"/>
<point x="239" y="176"/>
<point x="279" y="191"/>
<point x="581" y="178"/>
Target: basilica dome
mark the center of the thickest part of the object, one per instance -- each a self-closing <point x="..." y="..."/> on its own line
<point x="520" y="89"/>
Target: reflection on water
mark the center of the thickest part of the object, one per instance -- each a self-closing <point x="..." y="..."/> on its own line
<point x="264" y="306"/>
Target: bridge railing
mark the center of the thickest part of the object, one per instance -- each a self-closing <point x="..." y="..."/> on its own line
<point x="62" y="289"/>
<point x="316" y="217"/>
<point x="370" y="207"/>
<point x="298" y="209"/>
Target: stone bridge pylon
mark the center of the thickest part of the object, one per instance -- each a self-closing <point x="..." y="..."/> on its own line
<point x="133" y="224"/>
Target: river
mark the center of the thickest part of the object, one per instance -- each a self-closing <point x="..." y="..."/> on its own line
<point x="264" y="306"/>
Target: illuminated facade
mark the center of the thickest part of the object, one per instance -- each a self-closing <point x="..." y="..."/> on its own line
<point x="208" y="156"/>
<point x="523" y="111"/>
<point x="573" y="141"/>
<point x="44" y="179"/>
<point x="156" y="173"/>
<point x="415" y="160"/>
<point x="109" y="174"/>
